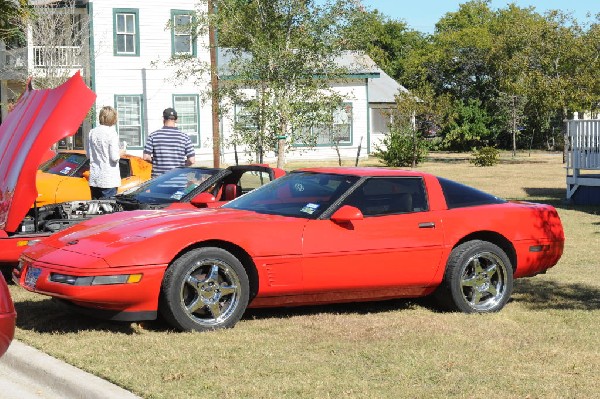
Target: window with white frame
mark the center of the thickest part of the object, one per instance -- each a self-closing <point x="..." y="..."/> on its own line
<point x="129" y="123"/>
<point x="245" y="118"/>
<point x="340" y="131"/>
<point x="181" y="32"/>
<point x="126" y="32"/>
<point x="380" y="120"/>
<point x="188" y="118"/>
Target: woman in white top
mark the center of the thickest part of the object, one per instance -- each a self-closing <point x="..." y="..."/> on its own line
<point x="103" y="151"/>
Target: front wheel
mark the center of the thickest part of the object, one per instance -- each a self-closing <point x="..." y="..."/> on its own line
<point x="478" y="278"/>
<point x="205" y="289"/>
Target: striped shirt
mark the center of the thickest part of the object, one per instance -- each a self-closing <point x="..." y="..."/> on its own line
<point x="170" y="148"/>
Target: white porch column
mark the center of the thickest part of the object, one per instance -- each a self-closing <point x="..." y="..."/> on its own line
<point x="4" y="98"/>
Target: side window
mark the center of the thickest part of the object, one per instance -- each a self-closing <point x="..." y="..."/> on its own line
<point x="183" y="40"/>
<point x="245" y="119"/>
<point x="253" y="179"/>
<point x="125" y="168"/>
<point x="188" y="112"/>
<point x="389" y="195"/>
<point x="129" y="123"/>
<point x="338" y="132"/>
<point x="126" y="29"/>
<point x="459" y="196"/>
<point x="82" y="169"/>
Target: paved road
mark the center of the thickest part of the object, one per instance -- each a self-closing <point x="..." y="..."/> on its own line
<point x="26" y="373"/>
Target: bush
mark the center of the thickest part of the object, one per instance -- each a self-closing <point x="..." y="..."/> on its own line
<point x="402" y="148"/>
<point x="485" y="156"/>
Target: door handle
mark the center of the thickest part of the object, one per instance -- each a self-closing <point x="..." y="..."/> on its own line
<point x="427" y="225"/>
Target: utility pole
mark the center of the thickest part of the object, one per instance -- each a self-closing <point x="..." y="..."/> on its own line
<point x="514" y="130"/>
<point x="214" y="84"/>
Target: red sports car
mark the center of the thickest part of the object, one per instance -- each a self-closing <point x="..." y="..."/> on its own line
<point x="314" y="236"/>
<point x="39" y="119"/>
<point x="7" y="317"/>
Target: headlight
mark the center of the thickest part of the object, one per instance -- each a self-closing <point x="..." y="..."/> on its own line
<point x="95" y="280"/>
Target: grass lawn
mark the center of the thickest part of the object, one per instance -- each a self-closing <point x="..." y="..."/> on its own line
<point x="544" y="344"/>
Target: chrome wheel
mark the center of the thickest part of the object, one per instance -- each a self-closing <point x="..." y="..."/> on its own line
<point x="483" y="281"/>
<point x="478" y="278"/>
<point x="205" y="289"/>
<point x="210" y="292"/>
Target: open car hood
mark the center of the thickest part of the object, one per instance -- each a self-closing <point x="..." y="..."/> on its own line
<point x="40" y="118"/>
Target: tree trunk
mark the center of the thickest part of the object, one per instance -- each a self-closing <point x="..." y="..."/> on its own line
<point x="214" y="83"/>
<point x="514" y="127"/>
<point x="281" y="153"/>
<point x="281" y="143"/>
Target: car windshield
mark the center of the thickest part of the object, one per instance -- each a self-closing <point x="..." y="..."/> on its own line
<point x="65" y="164"/>
<point x="171" y="186"/>
<point x="298" y="194"/>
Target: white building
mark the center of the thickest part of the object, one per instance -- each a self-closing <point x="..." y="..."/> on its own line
<point x="122" y="64"/>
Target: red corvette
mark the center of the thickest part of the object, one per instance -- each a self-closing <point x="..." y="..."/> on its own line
<point x="7" y="317"/>
<point x="40" y="118"/>
<point x="314" y="236"/>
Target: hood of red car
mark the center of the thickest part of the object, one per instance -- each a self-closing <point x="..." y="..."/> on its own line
<point x="106" y="229"/>
<point x="103" y="235"/>
<point x="40" y="118"/>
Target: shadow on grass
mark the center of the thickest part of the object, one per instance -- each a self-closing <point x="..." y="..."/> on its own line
<point x="534" y="294"/>
<point x="337" y="308"/>
<point x="49" y="316"/>
<point x="557" y="198"/>
<point x="553" y="193"/>
<point x="537" y="294"/>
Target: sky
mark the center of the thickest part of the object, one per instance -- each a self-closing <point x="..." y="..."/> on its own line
<point x="422" y="15"/>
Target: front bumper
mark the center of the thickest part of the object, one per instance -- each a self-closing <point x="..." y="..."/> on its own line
<point x="118" y="301"/>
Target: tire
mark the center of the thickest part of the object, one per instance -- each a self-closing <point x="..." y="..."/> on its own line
<point x="7" y="269"/>
<point x="205" y="289"/>
<point x="478" y="278"/>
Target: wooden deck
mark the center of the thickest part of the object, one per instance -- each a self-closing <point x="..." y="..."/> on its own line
<point x="583" y="156"/>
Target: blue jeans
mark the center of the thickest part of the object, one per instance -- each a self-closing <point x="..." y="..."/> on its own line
<point x="103" y="193"/>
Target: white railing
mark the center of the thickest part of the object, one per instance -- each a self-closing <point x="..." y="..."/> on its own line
<point x="584" y="141"/>
<point x="59" y="56"/>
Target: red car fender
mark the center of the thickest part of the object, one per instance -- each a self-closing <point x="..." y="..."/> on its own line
<point x="7" y="317"/>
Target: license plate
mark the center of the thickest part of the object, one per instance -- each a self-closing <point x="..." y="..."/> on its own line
<point x="32" y="275"/>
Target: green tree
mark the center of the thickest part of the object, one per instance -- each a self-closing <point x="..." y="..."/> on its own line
<point x="281" y="57"/>
<point x="526" y="70"/>
<point x="538" y="59"/>
<point x="387" y="41"/>
<point x="459" y="60"/>
<point x="12" y="13"/>
<point x="469" y="129"/>
<point x="588" y="78"/>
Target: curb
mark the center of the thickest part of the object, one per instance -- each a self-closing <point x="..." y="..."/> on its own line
<point x="71" y="382"/>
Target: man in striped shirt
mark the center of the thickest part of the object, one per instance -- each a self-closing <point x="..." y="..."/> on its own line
<point x="168" y="147"/>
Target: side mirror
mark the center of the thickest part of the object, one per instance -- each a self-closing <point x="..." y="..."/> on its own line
<point x="86" y="175"/>
<point x="346" y="214"/>
<point x="203" y="199"/>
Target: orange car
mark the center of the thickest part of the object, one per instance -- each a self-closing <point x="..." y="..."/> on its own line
<point x="64" y="177"/>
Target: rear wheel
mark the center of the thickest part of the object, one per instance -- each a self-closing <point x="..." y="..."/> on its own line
<point x="205" y="289"/>
<point x="478" y="278"/>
